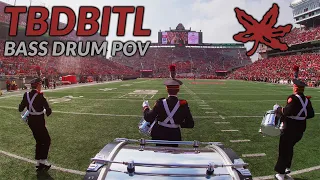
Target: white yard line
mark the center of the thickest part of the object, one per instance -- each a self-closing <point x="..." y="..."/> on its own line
<point x="34" y="162"/>
<point x="222" y="122"/>
<point x="292" y="173"/>
<point x="244" y="116"/>
<point x="128" y="115"/>
<point x="123" y="96"/>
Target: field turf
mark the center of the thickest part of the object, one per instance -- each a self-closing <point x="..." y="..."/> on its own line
<point x="86" y="118"/>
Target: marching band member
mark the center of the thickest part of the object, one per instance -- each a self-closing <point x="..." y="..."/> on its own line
<point x="35" y="102"/>
<point x="170" y="113"/>
<point x="293" y="117"/>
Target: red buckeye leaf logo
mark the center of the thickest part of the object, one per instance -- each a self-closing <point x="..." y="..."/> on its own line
<point x="262" y="32"/>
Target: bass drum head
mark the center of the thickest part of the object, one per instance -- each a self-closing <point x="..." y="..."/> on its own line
<point x="165" y="157"/>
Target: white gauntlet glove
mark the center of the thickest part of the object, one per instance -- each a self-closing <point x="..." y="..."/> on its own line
<point x="275" y="107"/>
<point x="145" y="103"/>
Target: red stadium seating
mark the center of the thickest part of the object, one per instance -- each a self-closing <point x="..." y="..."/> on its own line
<point x="277" y="68"/>
<point x="205" y="60"/>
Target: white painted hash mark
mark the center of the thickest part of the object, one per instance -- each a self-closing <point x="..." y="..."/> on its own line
<point x="244" y="140"/>
<point x="222" y="122"/>
<point x="211" y="112"/>
<point x="254" y="155"/>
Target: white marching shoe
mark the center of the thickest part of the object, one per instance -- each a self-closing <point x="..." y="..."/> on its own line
<point x="280" y="176"/>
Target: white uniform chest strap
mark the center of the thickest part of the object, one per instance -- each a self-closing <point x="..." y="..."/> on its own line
<point x="170" y="115"/>
<point x="304" y="109"/>
<point x="32" y="111"/>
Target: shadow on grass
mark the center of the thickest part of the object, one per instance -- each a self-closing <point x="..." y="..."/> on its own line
<point x="44" y="175"/>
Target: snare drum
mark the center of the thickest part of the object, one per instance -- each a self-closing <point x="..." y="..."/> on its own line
<point x="145" y="127"/>
<point x="270" y="124"/>
<point x="25" y="115"/>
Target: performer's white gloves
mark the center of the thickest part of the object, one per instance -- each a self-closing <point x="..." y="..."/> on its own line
<point x="275" y="107"/>
<point x="145" y="103"/>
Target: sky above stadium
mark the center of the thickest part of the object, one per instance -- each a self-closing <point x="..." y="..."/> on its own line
<point x="215" y="18"/>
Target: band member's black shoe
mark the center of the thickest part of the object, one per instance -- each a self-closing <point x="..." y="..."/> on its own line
<point x="43" y="167"/>
<point x="288" y="171"/>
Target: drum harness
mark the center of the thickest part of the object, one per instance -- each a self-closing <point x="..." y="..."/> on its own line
<point x="32" y="111"/>
<point x="304" y="109"/>
<point x="170" y="115"/>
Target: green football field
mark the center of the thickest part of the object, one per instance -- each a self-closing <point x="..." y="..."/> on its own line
<point x="85" y="119"/>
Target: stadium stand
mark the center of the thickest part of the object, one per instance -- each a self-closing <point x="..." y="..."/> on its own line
<point x="202" y="61"/>
<point x="56" y="66"/>
<point x="304" y="51"/>
<point x="280" y="68"/>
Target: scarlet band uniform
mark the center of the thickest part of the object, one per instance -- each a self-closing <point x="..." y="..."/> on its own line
<point x="171" y="113"/>
<point x="35" y="102"/>
<point x="294" y="116"/>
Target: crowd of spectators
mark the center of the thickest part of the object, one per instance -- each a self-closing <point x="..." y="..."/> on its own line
<point x="281" y="68"/>
<point x="302" y="35"/>
<point x="201" y="61"/>
<point x="55" y="66"/>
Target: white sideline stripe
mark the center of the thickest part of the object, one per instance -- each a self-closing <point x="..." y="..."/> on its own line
<point x="254" y="155"/>
<point x="207" y="108"/>
<point x="240" y="140"/>
<point x="292" y="173"/>
<point x="231" y="130"/>
<point x="34" y="162"/>
<point x="63" y="87"/>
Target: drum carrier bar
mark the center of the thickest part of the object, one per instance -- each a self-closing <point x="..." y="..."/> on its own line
<point x="131" y="164"/>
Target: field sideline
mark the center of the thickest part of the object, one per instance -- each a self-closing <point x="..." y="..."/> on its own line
<point x="86" y="118"/>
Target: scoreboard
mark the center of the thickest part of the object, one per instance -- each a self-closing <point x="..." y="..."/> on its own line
<point x="180" y="38"/>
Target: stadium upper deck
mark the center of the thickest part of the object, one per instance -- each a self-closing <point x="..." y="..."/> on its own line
<point x="185" y="49"/>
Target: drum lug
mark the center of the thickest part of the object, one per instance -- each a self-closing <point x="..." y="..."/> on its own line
<point x="196" y="146"/>
<point x="210" y="170"/>
<point x="131" y="168"/>
<point x="142" y="144"/>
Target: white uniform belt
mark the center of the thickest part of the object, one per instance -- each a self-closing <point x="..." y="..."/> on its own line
<point x="170" y="115"/>
<point x="168" y="125"/>
<point x="304" y="109"/>
<point x="32" y="111"/>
